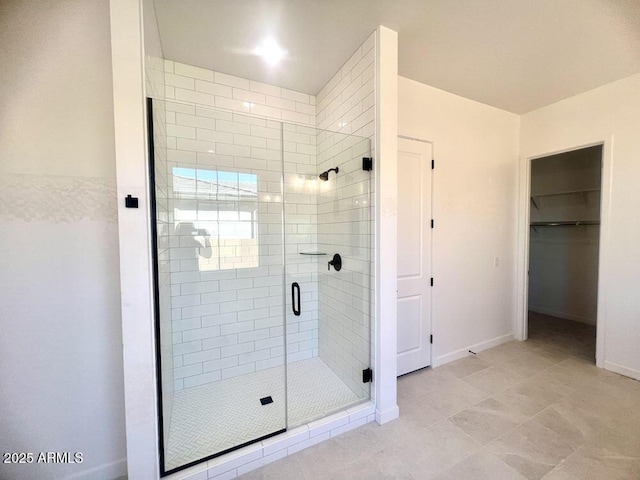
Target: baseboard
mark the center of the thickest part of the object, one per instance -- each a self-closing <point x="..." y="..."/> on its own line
<point x="478" y="347"/>
<point x="626" y="371"/>
<point x="566" y="316"/>
<point x="113" y="470"/>
<point x="387" y="415"/>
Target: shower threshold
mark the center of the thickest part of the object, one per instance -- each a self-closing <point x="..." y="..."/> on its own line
<point x="221" y="415"/>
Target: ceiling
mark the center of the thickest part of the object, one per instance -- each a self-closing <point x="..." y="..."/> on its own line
<point x="516" y="55"/>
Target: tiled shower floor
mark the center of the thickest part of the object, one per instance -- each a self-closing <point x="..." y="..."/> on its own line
<point x="217" y="416"/>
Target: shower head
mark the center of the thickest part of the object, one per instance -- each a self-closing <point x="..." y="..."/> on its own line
<point x="324" y="176"/>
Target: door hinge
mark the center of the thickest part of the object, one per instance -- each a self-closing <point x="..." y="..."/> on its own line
<point x="432" y="223"/>
<point x="367" y="375"/>
<point x="367" y="164"/>
<point x="130" y="202"/>
<point x="430" y="338"/>
<point x="433" y="164"/>
<point x="432" y="281"/>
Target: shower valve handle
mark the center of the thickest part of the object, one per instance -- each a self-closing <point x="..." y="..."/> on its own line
<point x="336" y="262"/>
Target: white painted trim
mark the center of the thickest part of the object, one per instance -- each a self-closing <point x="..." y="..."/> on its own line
<point x="385" y="379"/>
<point x="566" y="316"/>
<point x="524" y="209"/>
<point x="605" y="245"/>
<point x="478" y="347"/>
<point x="522" y="261"/>
<point x="134" y="236"/>
<point x="626" y="371"/>
<point x="108" y="470"/>
<point x="388" y="415"/>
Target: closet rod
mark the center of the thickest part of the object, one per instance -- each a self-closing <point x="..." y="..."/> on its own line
<point x="569" y="223"/>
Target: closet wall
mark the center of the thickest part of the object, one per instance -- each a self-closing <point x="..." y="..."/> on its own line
<point x="563" y="260"/>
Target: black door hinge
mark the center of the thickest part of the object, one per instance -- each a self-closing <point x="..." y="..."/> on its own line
<point x="430" y="338"/>
<point x="130" y="202"/>
<point x="432" y="281"/>
<point x="433" y="164"/>
<point x="432" y="223"/>
<point x="367" y="164"/>
<point x="367" y="375"/>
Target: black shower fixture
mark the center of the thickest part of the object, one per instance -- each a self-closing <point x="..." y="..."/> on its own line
<point x="324" y="176"/>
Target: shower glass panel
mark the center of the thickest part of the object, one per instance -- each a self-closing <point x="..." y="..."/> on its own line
<point x="255" y="331"/>
<point x="219" y="230"/>
<point x="327" y="212"/>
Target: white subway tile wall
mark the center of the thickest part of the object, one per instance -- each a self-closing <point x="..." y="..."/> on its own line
<point x="347" y="102"/>
<point x="229" y="323"/>
<point x="222" y="298"/>
<point x="226" y="289"/>
<point x="195" y="85"/>
<point x="227" y="293"/>
<point x="301" y="214"/>
<point x="220" y="333"/>
<point x="345" y="217"/>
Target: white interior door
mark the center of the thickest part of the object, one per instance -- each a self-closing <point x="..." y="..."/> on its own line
<point x="414" y="255"/>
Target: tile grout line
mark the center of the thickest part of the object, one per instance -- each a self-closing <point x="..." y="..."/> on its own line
<point x="482" y="447"/>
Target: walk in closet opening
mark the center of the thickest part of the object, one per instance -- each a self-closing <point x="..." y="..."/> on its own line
<point x="564" y="240"/>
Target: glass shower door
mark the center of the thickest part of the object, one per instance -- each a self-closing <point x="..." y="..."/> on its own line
<point x="328" y="268"/>
<point x="217" y="204"/>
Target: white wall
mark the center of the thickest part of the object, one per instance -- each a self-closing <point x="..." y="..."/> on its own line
<point x="563" y="272"/>
<point x="61" y="385"/>
<point x="609" y="114"/>
<point x="475" y="197"/>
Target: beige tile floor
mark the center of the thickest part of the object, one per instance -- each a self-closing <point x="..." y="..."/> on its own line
<point x="522" y="410"/>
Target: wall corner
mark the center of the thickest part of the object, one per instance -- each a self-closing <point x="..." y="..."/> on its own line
<point x="386" y="223"/>
<point x="127" y="55"/>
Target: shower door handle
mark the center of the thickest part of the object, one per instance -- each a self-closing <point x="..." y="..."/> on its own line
<point x="295" y="295"/>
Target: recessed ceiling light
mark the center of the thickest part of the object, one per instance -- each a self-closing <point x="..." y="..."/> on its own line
<point x="270" y="51"/>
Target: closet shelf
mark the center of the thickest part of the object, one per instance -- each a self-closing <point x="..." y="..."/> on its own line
<point x="566" y="192"/>
<point x="565" y="223"/>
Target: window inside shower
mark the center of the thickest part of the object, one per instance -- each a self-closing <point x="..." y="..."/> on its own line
<point x="257" y="329"/>
<point x="216" y="218"/>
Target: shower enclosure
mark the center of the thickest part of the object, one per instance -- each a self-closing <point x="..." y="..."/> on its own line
<point x="262" y="233"/>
